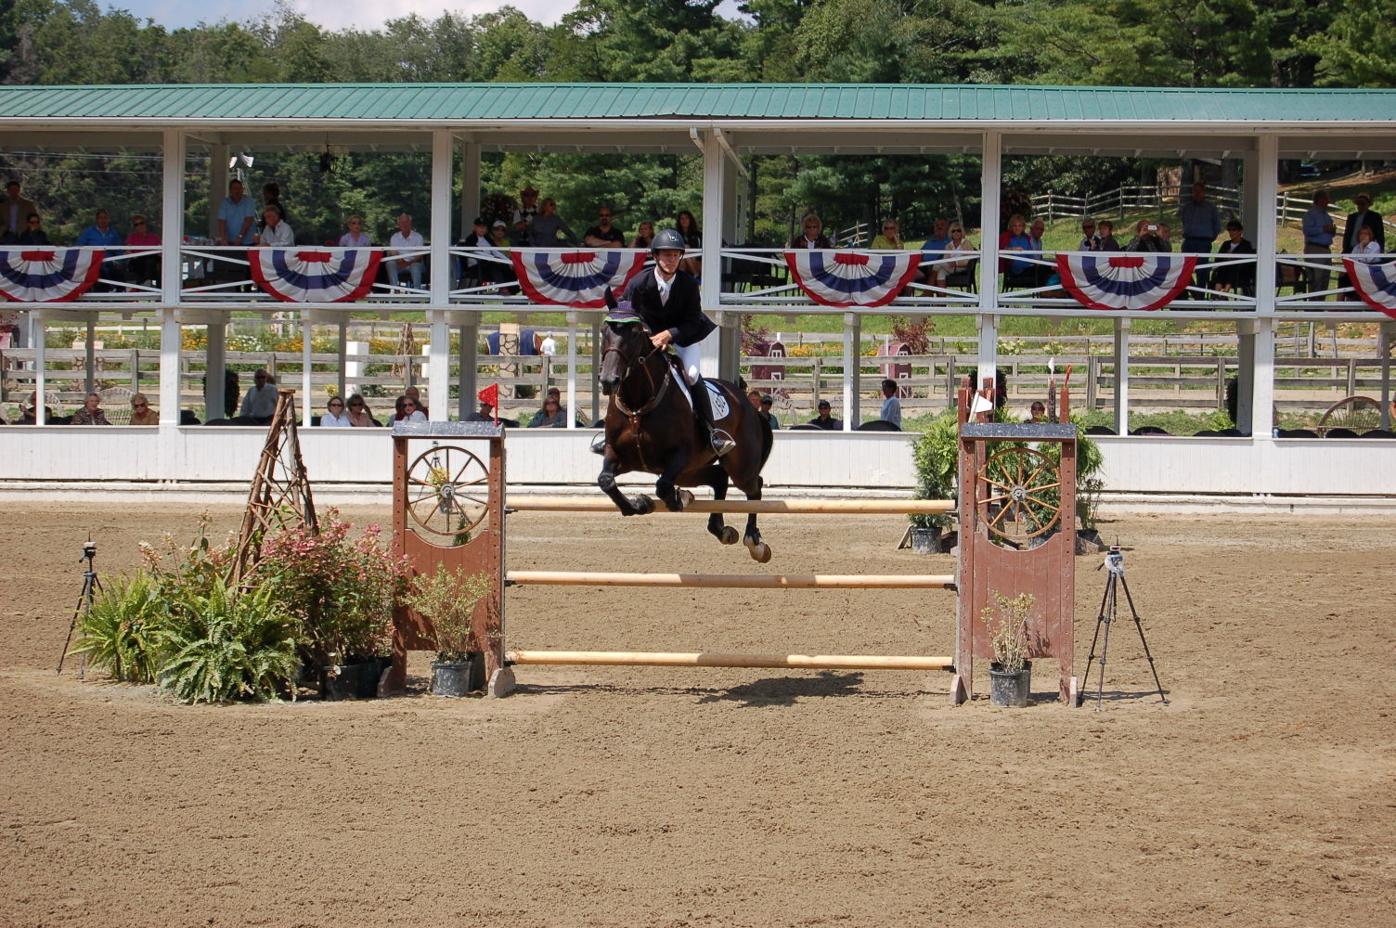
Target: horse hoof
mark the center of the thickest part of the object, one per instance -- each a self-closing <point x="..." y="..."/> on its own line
<point x="728" y="535"/>
<point x="685" y="498"/>
<point x="643" y="505"/>
<point x="760" y="551"/>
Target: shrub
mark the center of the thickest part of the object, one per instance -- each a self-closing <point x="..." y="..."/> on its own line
<point x="935" y="456"/>
<point x="225" y="645"/>
<point x="1007" y="620"/>
<point x="447" y="599"/>
<point x="120" y="633"/>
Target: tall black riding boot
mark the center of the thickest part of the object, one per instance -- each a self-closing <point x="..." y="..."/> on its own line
<point x="721" y="442"/>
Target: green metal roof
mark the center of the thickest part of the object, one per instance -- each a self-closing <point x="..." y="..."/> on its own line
<point x="428" y="103"/>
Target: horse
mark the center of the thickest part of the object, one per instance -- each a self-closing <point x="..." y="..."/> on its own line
<point x="651" y="428"/>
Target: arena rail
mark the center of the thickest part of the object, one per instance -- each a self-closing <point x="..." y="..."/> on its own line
<point x="742" y="506"/>
<point x="723" y="659"/>
<point x="735" y="581"/>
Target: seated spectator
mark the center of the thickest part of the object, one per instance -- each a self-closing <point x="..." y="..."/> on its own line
<point x="29" y="409"/>
<point x="271" y="196"/>
<point x="767" y="406"/>
<point x="644" y="234"/>
<point x="1235" y="277"/>
<point x="554" y="393"/>
<point x="754" y="398"/>
<point x="1089" y="240"/>
<point x="469" y="270"/>
<point x="812" y="235"/>
<point x="484" y="414"/>
<point x="276" y="232"/>
<point x="141" y="413"/>
<point x="548" y="230"/>
<point x="1165" y="236"/>
<point x="1018" y="273"/>
<point x="693" y="241"/>
<point x="824" y="420"/>
<point x="33" y="233"/>
<point x="523" y="216"/>
<point x="938" y="239"/>
<point x="15" y="209"/>
<point x="604" y="234"/>
<point x="1367" y="249"/>
<point x="1108" y="241"/>
<point x="359" y="415"/>
<point x="101" y="234"/>
<point x="1146" y="237"/>
<point x="355" y="237"/>
<point x="499" y="271"/>
<point x="550" y="416"/>
<point x="891" y="404"/>
<point x="260" y="401"/>
<point x="958" y="265"/>
<point x="405" y="410"/>
<point x="405" y="239"/>
<point x="145" y="267"/>
<point x="334" y="416"/>
<point x="415" y="395"/>
<point x="890" y="238"/>
<point x="91" y="412"/>
<point x="1038" y="412"/>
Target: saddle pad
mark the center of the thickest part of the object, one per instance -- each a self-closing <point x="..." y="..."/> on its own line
<point x="718" y="399"/>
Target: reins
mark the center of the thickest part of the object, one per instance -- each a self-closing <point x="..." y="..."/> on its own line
<point x="657" y="393"/>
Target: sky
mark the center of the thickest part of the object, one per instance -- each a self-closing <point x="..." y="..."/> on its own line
<point x="341" y="14"/>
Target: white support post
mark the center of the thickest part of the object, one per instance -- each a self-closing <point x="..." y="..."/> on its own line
<point x="991" y="194"/>
<point x="1256" y="376"/>
<point x="36" y="317"/>
<point x="90" y="355"/>
<point x="714" y="212"/>
<point x="1385" y="336"/>
<point x="217" y="184"/>
<point x="439" y="359"/>
<point x="595" y="368"/>
<point x="469" y="367"/>
<point x="571" y="403"/>
<point x="342" y="349"/>
<point x="852" y="336"/>
<point x="1122" y="376"/>
<point x="1262" y="386"/>
<point x="215" y="367"/>
<point x="1267" y="167"/>
<point x="469" y="184"/>
<point x="307" y="336"/>
<point x="171" y="235"/>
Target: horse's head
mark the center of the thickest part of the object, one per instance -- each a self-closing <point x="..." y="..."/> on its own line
<point x="625" y="340"/>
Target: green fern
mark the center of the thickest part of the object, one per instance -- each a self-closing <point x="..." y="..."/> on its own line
<point x="121" y="632"/>
<point x="225" y="646"/>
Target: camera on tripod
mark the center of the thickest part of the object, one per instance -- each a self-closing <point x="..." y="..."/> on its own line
<point x="1115" y="560"/>
<point x="89" y="550"/>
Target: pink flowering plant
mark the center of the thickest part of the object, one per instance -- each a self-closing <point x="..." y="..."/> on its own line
<point x="342" y="589"/>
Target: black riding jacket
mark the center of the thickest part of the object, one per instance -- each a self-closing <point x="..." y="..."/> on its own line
<point x="682" y="315"/>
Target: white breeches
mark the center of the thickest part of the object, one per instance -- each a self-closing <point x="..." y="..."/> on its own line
<point x="691" y="358"/>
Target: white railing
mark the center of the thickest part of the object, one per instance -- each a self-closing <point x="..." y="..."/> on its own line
<point x="1321" y="282"/>
<point x="1219" y="283"/>
<point x="759" y="277"/>
<point x="222" y="274"/>
<point x="486" y="274"/>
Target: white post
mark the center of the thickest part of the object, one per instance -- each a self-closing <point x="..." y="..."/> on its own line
<point x="1385" y="336"/>
<point x="852" y="333"/>
<point x="571" y="403"/>
<point x="469" y="367"/>
<point x="1267" y="166"/>
<point x="990" y="192"/>
<point x="714" y="211"/>
<point x="342" y="346"/>
<point x="1122" y="376"/>
<point x="307" y="335"/>
<point x="595" y="368"/>
<point x="1257" y="379"/>
<point x="439" y="366"/>
<point x="171" y="234"/>
<point x="469" y="184"/>
<point x="40" y="365"/>
<point x="1256" y="355"/>
<point x="439" y="360"/>
<point x="217" y="184"/>
<point x="215" y="367"/>
<point x="90" y="354"/>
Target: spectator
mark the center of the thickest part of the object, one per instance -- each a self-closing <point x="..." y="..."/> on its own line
<point x="1201" y="225"/>
<point x="1035" y="233"/>
<point x="237" y="217"/>
<point x="1235" y="277"/>
<point x="523" y="217"/>
<point x="548" y="226"/>
<point x="1367" y="248"/>
<point x="355" y="237"/>
<point x="101" y="234"/>
<point x="1363" y="217"/>
<point x="275" y="232"/>
<point x="33" y="233"/>
<point x="28" y="409"/>
<point x="1041" y="272"/>
<point x="1039" y="412"/>
<point x="692" y="239"/>
<point x="415" y="395"/>
<point x="359" y="415"/>
<point x="824" y="420"/>
<point x="1319" y="231"/>
<point x="1089" y="240"/>
<point x="889" y="239"/>
<point x="91" y="412"/>
<point x="470" y="270"/>
<point x="404" y="239"/>
<point x="145" y="267"/>
<point x="1018" y="273"/>
<point x="767" y="405"/>
<point x="548" y="348"/>
<point x="754" y="398"/>
<point x="141" y="413"/>
<point x="891" y="403"/>
<point x="334" y="416"/>
<point x="644" y="234"/>
<point x="484" y="414"/>
<point x="604" y="234"/>
<point x="271" y="196"/>
<point x="1146" y="237"/>
<point x="405" y="410"/>
<point x="1165" y="236"/>
<point x="939" y="238"/>
<point x="812" y="236"/>
<point x="15" y="210"/>
<point x="958" y="265"/>
<point x="260" y="401"/>
<point x="1108" y="242"/>
<point x="499" y="271"/>
<point x="550" y="416"/>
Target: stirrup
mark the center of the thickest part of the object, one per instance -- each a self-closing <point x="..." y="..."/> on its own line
<point x="721" y="441"/>
<point x="598" y="444"/>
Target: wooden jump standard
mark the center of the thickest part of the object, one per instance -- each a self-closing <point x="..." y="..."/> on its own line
<point x="720" y="659"/>
<point x="736" y="581"/>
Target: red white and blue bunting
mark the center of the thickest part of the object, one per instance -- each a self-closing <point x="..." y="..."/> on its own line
<point x="47" y="275"/>
<point x="1125" y="281"/>
<point x="568" y="277"/>
<point x="1374" y="283"/>
<point x="314" y="275"/>
<point x="851" y="278"/>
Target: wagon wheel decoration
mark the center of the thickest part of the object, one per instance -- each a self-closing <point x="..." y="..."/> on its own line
<point x="1022" y="489"/>
<point x="447" y="492"/>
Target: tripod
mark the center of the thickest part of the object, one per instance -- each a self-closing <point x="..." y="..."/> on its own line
<point x="1109" y="612"/>
<point x="90" y="586"/>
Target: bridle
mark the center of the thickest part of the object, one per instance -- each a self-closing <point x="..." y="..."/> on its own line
<point x="657" y="392"/>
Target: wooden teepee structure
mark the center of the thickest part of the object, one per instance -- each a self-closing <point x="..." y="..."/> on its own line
<point x="280" y="495"/>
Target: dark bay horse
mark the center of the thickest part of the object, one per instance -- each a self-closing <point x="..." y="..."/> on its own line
<point x="650" y="427"/>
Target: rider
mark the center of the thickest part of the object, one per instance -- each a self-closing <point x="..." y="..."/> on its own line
<point x="668" y="302"/>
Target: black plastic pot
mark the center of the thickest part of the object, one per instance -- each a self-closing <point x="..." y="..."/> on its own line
<point x="358" y="680"/>
<point x="925" y="540"/>
<point x="1010" y="690"/>
<point x="458" y="678"/>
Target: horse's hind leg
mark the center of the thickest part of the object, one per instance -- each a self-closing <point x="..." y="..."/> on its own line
<point x="717" y="479"/>
<point x="758" y="549"/>
<point x="628" y="505"/>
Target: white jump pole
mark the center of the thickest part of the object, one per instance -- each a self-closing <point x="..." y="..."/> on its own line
<point x="721" y="659"/>
<point x="735" y="581"/>
<point x="759" y="506"/>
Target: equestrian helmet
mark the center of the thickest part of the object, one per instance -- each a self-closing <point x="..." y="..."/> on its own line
<point x="668" y="240"/>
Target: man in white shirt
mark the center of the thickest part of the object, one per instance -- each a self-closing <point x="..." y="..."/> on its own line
<point x="891" y="405"/>
<point x="1318" y="228"/>
<point x="277" y="234"/>
<point x="405" y="239"/>
<point x="260" y="401"/>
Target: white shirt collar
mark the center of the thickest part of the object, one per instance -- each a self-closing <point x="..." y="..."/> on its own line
<point x="664" y="285"/>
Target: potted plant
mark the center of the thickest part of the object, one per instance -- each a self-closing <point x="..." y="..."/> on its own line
<point x="1010" y="672"/>
<point x="447" y="599"/>
<point x="935" y="457"/>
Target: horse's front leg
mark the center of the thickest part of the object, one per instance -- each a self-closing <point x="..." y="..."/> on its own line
<point x="717" y="479"/>
<point x="758" y="549"/>
<point x="665" y="487"/>
<point x="639" y="505"/>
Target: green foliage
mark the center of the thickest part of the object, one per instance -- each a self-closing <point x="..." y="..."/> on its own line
<point x="224" y="645"/>
<point x="447" y="599"/>
<point x="935" y="456"/>
<point x="121" y="633"/>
